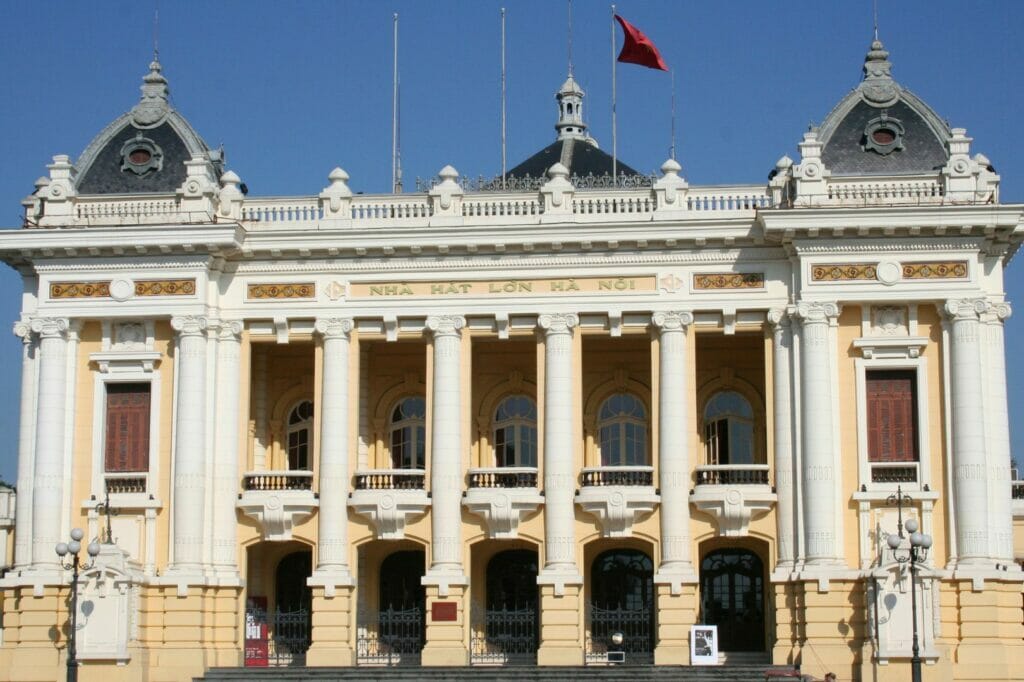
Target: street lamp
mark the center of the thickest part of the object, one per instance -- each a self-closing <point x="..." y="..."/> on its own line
<point x="71" y="550"/>
<point x="919" y="545"/>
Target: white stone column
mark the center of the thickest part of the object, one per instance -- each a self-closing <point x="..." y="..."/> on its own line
<point x="48" y="472"/>
<point x="559" y="476"/>
<point x="785" y="510"/>
<point x="189" y="490"/>
<point x="225" y="461"/>
<point x="332" y="567"/>
<point x="673" y="450"/>
<point x="26" y="449"/>
<point x="999" y="459"/>
<point x="821" y="504"/>
<point x="970" y="481"/>
<point x="446" y="454"/>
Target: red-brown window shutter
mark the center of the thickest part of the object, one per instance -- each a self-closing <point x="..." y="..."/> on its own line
<point x="892" y="416"/>
<point x="127" y="447"/>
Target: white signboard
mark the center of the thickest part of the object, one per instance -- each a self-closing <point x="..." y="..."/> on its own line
<point x="704" y="645"/>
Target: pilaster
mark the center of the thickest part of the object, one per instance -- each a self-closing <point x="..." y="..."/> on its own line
<point x="785" y="511"/>
<point x="446" y="626"/>
<point x="26" y="446"/>
<point x="225" y="464"/>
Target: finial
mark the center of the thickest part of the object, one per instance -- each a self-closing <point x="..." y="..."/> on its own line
<point x="876" y="19"/>
<point x="156" y="30"/>
<point x="570" y="38"/>
<point x="878" y="87"/>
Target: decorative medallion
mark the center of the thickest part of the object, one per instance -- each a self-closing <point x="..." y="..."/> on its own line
<point x="281" y="290"/>
<point x="121" y="289"/>
<point x="335" y="290"/>
<point x="165" y="287"/>
<point x="844" y="272"/>
<point x="729" y="280"/>
<point x="141" y="155"/>
<point x="941" y="270"/>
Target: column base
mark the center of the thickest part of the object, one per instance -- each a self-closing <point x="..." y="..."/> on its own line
<point x="561" y="638"/>
<point x="331" y="635"/>
<point x="446" y="624"/>
<point x="677" y="612"/>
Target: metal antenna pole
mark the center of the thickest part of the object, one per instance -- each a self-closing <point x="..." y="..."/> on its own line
<point x="570" y="37"/>
<point x="156" y="31"/>
<point x="394" y="109"/>
<point x="503" y="156"/>
<point x="672" y="154"/>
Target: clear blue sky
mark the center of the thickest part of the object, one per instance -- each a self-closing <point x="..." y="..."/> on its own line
<point x="292" y="89"/>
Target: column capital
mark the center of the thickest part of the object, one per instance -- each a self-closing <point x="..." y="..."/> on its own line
<point x="778" y="317"/>
<point x="672" y="321"/>
<point x="961" y="309"/>
<point x="334" y="327"/>
<point x="23" y="330"/>
<point x="446" y="325"/>
<point x="230" y="330"/>
<point x="816" y="311"/>
<point x="558" y="323"/>
<point x="189" y="325"/>
<point x="999" y="311"/>
<point x="50" y="327"/>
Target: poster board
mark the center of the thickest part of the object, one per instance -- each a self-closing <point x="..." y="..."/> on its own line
<point x="704" y="645"/>
<point x="257" y="650"/>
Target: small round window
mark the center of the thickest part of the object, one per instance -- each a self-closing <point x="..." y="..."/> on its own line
<point x="141" y="156"/>
<point x="883" y="135"/>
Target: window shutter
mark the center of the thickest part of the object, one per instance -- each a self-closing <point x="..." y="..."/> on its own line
<point x="127" y="432"/>
<point x="892" y="408"/>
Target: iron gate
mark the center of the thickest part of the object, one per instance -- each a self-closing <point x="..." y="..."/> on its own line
<point x="290" y="639"/>
<point x="636" y="626"/>
<point x="504" y="636"/>
<point x="390" y="637"/>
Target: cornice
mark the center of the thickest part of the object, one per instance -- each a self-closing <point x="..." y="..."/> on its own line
<point x="908" y="245"/>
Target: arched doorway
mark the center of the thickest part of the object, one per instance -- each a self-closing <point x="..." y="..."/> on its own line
<point x="732" y="597"/>
<point x="621" y="601"/>
<point x="393" y="634"/>
<point x="506" y="632"/>
<point x="292" y="617"/>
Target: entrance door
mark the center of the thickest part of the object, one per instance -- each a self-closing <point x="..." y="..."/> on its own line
<point x="732" y="597"/>
<point x="621" y="603"/>
<point x="292" y="615"/>
<point x="506" y="631"/>
<point x="394" y="634"/>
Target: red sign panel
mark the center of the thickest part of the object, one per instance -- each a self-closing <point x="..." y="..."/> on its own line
<point x="257" y="652"/>
<point x="441" y="611"/>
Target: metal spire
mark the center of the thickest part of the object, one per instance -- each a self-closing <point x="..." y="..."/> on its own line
<point x="570" y="37"/>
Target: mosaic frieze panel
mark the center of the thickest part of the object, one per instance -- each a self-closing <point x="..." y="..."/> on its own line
<point x="285" y="290"/>
<point x="937" y="270"/>
<point x="844" y="272"/>
<point x="102" y="289"/>
<point x="729" y="280"/>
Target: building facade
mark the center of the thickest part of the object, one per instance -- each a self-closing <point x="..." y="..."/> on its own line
<point x="499" y="423"/>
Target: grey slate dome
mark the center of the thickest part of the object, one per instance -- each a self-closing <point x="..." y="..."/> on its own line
<point x="575" y="148"/>
<point x="145" y="149"/>
<point x="880" y="128"/>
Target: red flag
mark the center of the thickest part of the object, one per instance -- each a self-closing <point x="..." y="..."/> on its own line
<point x="638" y="48"/>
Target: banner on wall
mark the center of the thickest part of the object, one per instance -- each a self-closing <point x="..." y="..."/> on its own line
<point x="257" y="650"/>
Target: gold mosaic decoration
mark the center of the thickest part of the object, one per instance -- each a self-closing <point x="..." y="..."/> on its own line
<point x="286" y="290"/>
<point x="80" y="290"/>
<point x="729" y="280"/>
<point x="942" y="270"/>
<point x="844" y="272"/>
<point x="149" y="287"/>
<point x="165" y="287"/>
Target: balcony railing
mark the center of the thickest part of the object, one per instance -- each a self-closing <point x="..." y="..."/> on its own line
<point x="894" y="473"/>
<point x="1017" y="491"/>
<point x="390" y="479"/>
<point x="733" y="474"/>
<point x="125" y="483"/>
<point x="503" y="477"/>
<point x="620" y="475"/>
<point x="278" y="480"/>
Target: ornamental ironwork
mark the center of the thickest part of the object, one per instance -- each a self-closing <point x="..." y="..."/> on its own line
<point x="504" y="636"/>
<point x="390" y="637"/>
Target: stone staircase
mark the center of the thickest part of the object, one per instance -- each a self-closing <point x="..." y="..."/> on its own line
<point x="738" y="672"/>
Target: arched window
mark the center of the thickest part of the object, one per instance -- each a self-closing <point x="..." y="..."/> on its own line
<point x="622" y="431"/>
<point x="300" y="424"/>
<point x="408" y="434"/>
<point x="515" y="432"/>
<point x="729" y="429"/>
<point x="622" y="600"/>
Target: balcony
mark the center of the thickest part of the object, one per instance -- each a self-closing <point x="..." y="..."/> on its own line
<point x="733" y="494"/>
<point x="390" y="498"/>
<point x="1017" y="498"/>
<point x="894" y="472"/>
<point x="503" y="497"/>
<point x="618" y="496"/>
<point x="277" y="500"/>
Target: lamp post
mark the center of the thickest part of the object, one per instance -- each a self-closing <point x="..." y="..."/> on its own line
<point x="919" y="545"/>
<point x="72" y="563"/>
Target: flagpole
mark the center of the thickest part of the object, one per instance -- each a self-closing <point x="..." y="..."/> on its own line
<point x="672" y="73"/>
<point x="503" y="156"/>
<point x="615" y="147"/>
<point x="394" y="109"/>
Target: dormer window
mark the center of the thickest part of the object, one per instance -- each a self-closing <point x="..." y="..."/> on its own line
<point x="141" y="155"/>
<point x="883" y="135"/>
